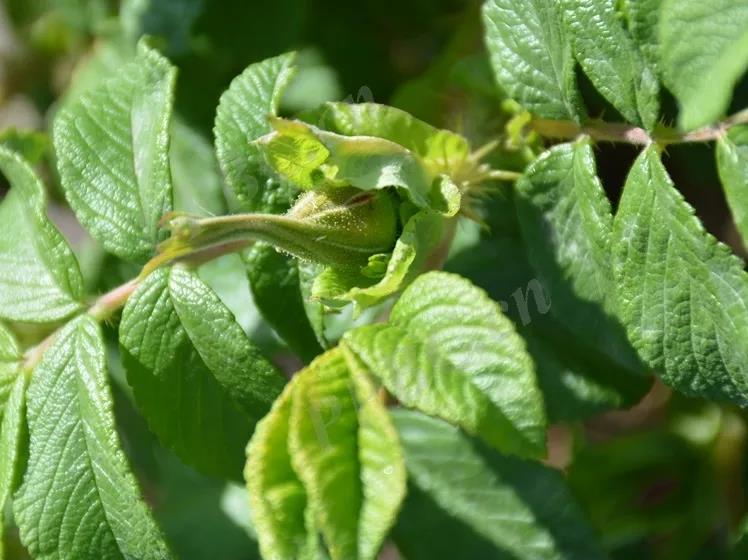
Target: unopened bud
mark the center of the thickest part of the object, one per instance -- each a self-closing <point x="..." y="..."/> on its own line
<point x="339" y="225"/>
<point x="335" y="226"/>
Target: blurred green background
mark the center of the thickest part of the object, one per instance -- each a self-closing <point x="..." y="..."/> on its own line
<point x="664" y="480"/>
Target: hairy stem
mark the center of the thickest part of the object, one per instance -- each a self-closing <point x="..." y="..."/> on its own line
<point x="102" y="309"/>
<point x="625" y="133"/>
<point x="106" y="305"/>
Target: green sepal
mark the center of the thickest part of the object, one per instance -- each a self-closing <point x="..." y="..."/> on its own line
<point x="422" y="237"/>
<point x="312" y="158"/>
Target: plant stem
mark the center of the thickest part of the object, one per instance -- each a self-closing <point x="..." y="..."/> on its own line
<point x="105" y="306"/>
<point x="109" y="303"/>
<point x="102" y="309"/>
<point x="622" y="132"/>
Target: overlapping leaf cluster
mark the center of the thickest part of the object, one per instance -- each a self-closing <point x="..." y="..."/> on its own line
<point x="433" y="415"/>
<point x="653" y="269"/>
<point x="326" y="467"/>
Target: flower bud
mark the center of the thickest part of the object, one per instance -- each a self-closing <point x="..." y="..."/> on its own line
<point x="335" y="226"/>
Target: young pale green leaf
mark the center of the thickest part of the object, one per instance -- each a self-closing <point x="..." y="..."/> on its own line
<point x="566" y="223"/>
<point x="494" y="505"/>
<point x="443" y="151"/>
<point x="275" y="282"/>
<point x="326" y="459"/>
<point x="323" y="443"/>
<point x="281" y="515"/>
<point x="381" y="463"/>
<point x="39" y="276"/>
<point x="295" y="153"/>
<point x="643" y="18"/>
<point x="112" y="147"/>
<point x="421" y="236"/>
<point x="177" y="338"/>
<point x="531" y="56"/>
<point x="732" y="163"/>
<point x="349" y="461"/>
<point x="78" y="498"/>
<point x="612" y="60"/>
<point x="703" y="53"/>
<point x="310" y="158"/>
<point x="241" y="118"/>
<point x="12" y="432"/>
<point x="450" y="352"/>
<point x="10" y="360"/>
<point x="681" y="294"/>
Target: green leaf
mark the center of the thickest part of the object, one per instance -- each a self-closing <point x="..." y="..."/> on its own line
<point x="39" y="277"/>
<point x="171" y="20"/>
<point x="78" y="498"/>
<point x="323" y="445"/>
<point x="498" y="506"/>
<point x="612" y="60"/>
<point x="421" y="235"/>
<point x="739" y="547"/>
<point x="566" y="223"/>
<point x="565" y="219"/>
<point x="31" y="145"/>
<point x="349" y="461"/>
<point x="198" y="186"/>
<point x="280" y="510"/>
<point x="295" y="153"/>
<point x="104" y="60"/>
<point x="326" y="459"/>
<point x="112" y="147"/>
<point x="643" y="23"/>
<point x="450" y="352"/>
<point x="681" y="294"/>
<point x="10" y="359"/>
<point x="442" y="151"/>
<point x="12" y="433"/>
<point x="577" y="379"/>
<point x="381" y="463"/>
<point x="241" y="118"/>
<point x="276" y="288"/>
<point x="311" y="158"/>
<point x="732" y="163"/>
<point x="197" y="379"/>
<point x="316" y="81"/>
<point x="531" y="56"/>
<point x="240" y="368"/>
<point x="630" y="465"/>
<point x="703" y="53"/>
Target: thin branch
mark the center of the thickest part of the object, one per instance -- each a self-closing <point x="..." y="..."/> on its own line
<point x="598" y="130"/>
<point x="101" y="310"/>
<point x="625" y="133"/>
<point x="108" y="304"/>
